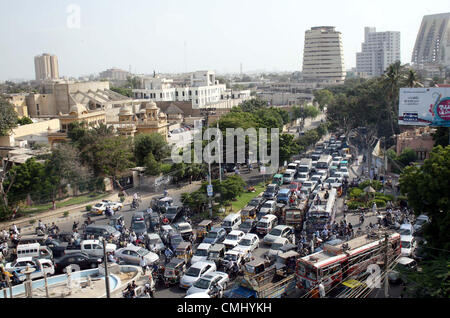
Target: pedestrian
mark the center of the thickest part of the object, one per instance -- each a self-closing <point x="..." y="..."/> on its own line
<point x="143" y="264"/>
<point x="374" y="208"/>
<point x="321" y="290"/>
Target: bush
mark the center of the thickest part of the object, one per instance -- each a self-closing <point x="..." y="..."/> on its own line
<point x="32" y="221"/>
<point x="356" y="193"/>
<point x="354" y="205"/>
<point x="122" y="198"/>
<point x="373" y="183"/>
<point x="380" y="203"/>
<point x="66" y="214"/>
<point x="88" y="208"/>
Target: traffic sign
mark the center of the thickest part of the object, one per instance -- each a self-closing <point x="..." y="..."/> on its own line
<point x="209" y="190"/>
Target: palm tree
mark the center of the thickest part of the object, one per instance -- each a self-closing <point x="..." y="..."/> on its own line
<point x="391" y="79"/>
<point x="412" y="79"/>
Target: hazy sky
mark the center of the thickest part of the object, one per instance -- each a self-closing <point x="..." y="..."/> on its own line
<point x="215" y="34"/>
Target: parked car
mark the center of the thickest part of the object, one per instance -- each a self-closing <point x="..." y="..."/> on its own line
<point x="249" y="242"/>
<point x="216" y="235"/>
<point x="233" y="239"/>
<point x="207" y="282"/>
<point x="195" y="272"/>
<point x="82" y="260"/>
<point x="132" y="254"/>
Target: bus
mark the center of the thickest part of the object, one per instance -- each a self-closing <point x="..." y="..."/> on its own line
<point x="334" y="264"/>
<point x="324" y="162"/>
<point x="322" y="211"/>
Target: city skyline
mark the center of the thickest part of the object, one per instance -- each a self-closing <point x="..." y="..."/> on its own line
<point x="174" y="36"/>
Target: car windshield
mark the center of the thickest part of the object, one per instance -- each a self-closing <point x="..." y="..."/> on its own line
<point x="406" y="244"/>
<point x="287" y="175"/>
<point x="172" y="210"/>
<point x="98" y="205"/>
<point x="232" y="237"/>
<point x="405" y="232"/>
<point x="193" y="272"/>
<point x="184" y="228"/>
<point x="275" y="232"/>
<point x="267" y="205"/>
<point x="276" y="246"/>
<point x="420" y="221"/>
<point x="270" y="189"/>
<point x="262" y="224"/>
<point x="138" y="226"/>
<point x="246" y="225"/>
<point x="253" y="203"/>
<point x="213" y="255"/>
<point x="307" y="184"/>
<point x="202" y="283"/>
<point x="246" y="242"/>
<point x="201" y="252"/>
<point x="293" y="186"/>
<point x="212" y="235"/>
<point x="230" y="257"/>
<point x="226" y="223"/>
<point x="142" y="252"/>
<point x="177" y="239"/>
<point x="155" y="240"/>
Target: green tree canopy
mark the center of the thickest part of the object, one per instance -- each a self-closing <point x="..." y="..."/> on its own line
<point x="8" y="116"/>
<point x="153" y="143"/>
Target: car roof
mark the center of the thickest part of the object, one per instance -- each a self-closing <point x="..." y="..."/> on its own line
<point x="284" y="191"/>
<point x="281" y="227"/>
<point x="405" y="260"/>
<point x="153" y="235"/>
<point x="132" y="247"/>
<point x="270" y="201"/>
<point x="203" y="246"/>
<point x="249" y="235"/>
<point x="217" y="229"/>
<point x="24" y="259"/>
<point x="280" y="240"/>
<point x="200" y="264"/>
<point x="236" y="232"/>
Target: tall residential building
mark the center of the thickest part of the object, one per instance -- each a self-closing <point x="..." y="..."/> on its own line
<point x="323" y="56"/>
<point x="46" y="67"/>
<point x="433" y="41"/>
<point x="379" y="50"/>
<point x="115" y="74"/>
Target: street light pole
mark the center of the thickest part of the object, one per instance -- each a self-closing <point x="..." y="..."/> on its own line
<point x="105" y="261"/>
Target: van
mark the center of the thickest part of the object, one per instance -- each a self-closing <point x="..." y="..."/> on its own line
<point x="101" y="230"/>
<point x="292" y="166"/>
<point x="283" y="196"/>
<point x="305" y="165"/>
<point x="34" y="250"/>
<point x="28" y="239"/>
<point x="266" y="224"/>
<point x="232" y="222"/>
<point x="288" y="176"/>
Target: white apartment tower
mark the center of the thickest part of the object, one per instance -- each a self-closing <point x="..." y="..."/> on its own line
<point x="433" y="41"/>
<point x="379" y="50"/>
<point x="46" y="67"/>
<point x="323" y="56"/>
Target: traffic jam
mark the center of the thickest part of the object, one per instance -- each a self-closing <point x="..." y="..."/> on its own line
<point x="287" y="242"/>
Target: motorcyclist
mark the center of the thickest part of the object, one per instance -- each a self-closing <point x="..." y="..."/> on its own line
<point x="75" y="226"/>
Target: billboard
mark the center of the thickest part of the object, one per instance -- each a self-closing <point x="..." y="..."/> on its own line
<point x="424" y="106"/>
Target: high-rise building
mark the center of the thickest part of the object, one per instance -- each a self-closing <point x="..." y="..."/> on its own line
<point x="46" y="67"/>
<point x="115" y="74"/>
<point x="379" y="50"/>
<point x="323" y="56"/>
<point x="433" y="41"/>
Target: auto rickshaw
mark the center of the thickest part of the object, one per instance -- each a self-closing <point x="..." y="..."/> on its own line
<point x="173" y="271"/>
<point x="216" y="253"/>
<point x="280" y="211"/>
<point x="278" y="179"/>
<point x="161" y="204"/>
<point x="115" y="220"/>
<point x="203" y="229"/>
<point x="249" y="212"/>
<point x="256" y="266"/>
<point x="285" y="263"/>
<point x="184" y="251"/>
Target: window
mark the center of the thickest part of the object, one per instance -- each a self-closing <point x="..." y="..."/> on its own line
<point x="88" y="247"/>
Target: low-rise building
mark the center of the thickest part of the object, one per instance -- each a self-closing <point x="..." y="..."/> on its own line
<point x="419" y="139"/>
<point x="19" y="102"/>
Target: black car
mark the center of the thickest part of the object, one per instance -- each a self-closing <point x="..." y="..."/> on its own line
<point x="57" y="247"/>
<point x="271" y="191"/>
<point x="257" y="202"/>
<point x="174" y="239"/>
<point x="248" y="226"/>
<point x="82" y="260"/>
<point x="173" y="213"/>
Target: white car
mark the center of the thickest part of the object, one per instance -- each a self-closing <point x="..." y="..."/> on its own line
<point x="403" y="262"/>
<point x="409" y="244"/>
<point x="196" y="271"/>
<point x="201" y="253"/>
<point x="276" y="247"/>
<point x="406" y="229"/>
<point x="333" y="182"/>
<point x="100" y="207"/>
<point x="233" y="238"/>
<point x="198" y="295"/>
<point x="155" y="242"/>
<point x="343" y="171"/>
<point x="420" y="221"/>
<point x="207" y="282"/>
<point x="279" y="231"/>
<point x="302" y="177"/>
<point x="233" y="256"/>
<point x="249" y="242"/>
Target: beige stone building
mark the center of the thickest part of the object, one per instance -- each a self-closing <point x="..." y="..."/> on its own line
<point x="46" y="67"/>
<point x="20" y="103"/>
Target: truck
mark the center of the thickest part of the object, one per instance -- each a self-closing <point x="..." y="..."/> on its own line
<point x="265" y="284"/>
<point x="91" y="247"/>
<point x="295" y="215"/>
<point x="305" y="165"/>
<point x="40" y="266"/>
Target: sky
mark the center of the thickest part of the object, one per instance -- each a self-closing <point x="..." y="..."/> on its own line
<point x="172" y="36"/>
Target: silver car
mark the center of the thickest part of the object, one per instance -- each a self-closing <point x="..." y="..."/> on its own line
<point x="132" y="255"/>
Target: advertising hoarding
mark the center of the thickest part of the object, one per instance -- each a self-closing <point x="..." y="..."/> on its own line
<point x="424" y="107"/>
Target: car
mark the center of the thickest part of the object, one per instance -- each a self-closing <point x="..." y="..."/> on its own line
<point x="174" y="239"/>
<point x="155" y="242"/>
<point x="268" y="207"/>
<point x="248" y="226"/>
<point x="82" y="260"/>
<point x="288" y="176"/>
<point x="249" y="242"/>
<point x="233" y="239"/>
<point x="195" y="272"/>
<point x="283" y="196"/>
<point x="165" y="231"/>
<point x="100" y="207"/>
<point x="401" y="264"/>
<point x="271" y="191"/>
<point x="206" y="283"/>
<point x="278" y="231"/>
<point x="235" y="256"/>
<point x="132" y="254"/>
<point x="302" y="177"/>
<point x="344" y="172"/>
<point x="138" y="224"/>
<point x="201" y="253"/>
<point x="316" y="178"/>
<point x="333" y="182"/>
<point x="295" y="186"/>
<point x="216" y="235"/>
<point x="185" y="229"/>
<point x="308" y="187"/>
<point x="276" y="247"/>
<point x="115" y="206"/>
<point x="409" y="244"/>
<point x="406" y="229"/>
<point x="421" y="220"/>
<point x="257" y="202"/>
<point x="101" y="230"/>
<point x="173" y="213"/>
<point x="57" y="247"/>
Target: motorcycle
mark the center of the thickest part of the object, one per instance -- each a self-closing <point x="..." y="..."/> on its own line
<point x="134" y="205"/>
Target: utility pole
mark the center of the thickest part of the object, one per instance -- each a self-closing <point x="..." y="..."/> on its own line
<point x="46" y="285"/>
<point x="105" y="262"/>
<point x="386" y="265"/>
<point x="220" y="157"/>
<point x="8" y="281"/>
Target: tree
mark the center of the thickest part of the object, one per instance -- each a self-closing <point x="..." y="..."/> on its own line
<point x="392" y="80"/>
<point x="252" y="105"/>
<point x="441" y="137"/>
<point x="288" y="147"/>
<point x="412" y="79"/>
<point x="122" y="91"/>
<point x="407" y="156"/>
<point x="323" y="97"/>
<point x="8" y="117"/>
<point x="153" y="143"/>
<point x="428" y="189"/>
<point x="24" y="121"/>
<point x="230" y="188"/>
<point x="152" y="167"/>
